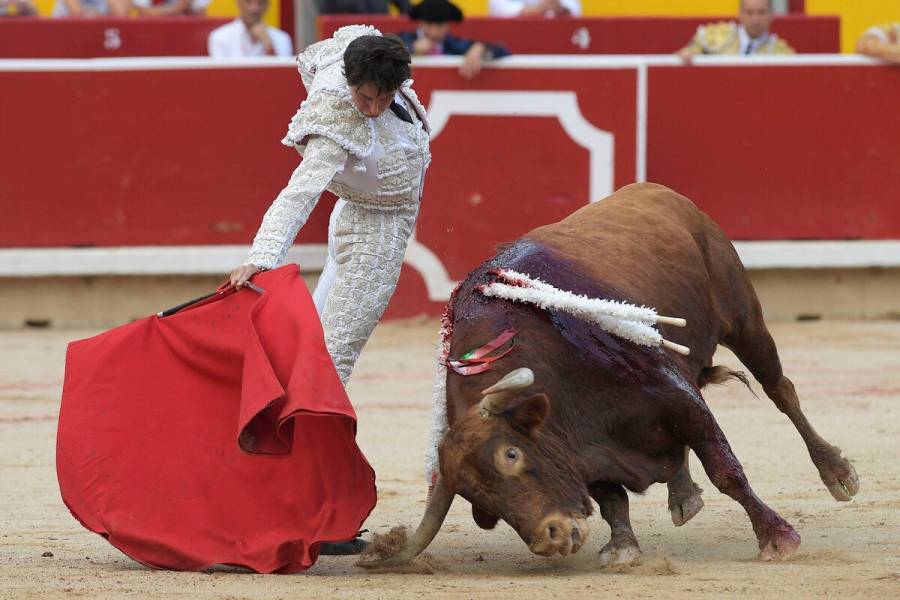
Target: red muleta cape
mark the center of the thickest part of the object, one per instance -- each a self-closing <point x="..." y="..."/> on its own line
<point x="217" y="435"/>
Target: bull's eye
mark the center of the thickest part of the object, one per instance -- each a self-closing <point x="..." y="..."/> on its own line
<point x="509" y="460"/>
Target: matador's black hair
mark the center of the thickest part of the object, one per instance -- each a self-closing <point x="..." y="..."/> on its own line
<point x="380" y="60"/>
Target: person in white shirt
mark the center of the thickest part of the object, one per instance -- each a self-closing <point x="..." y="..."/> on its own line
<point x="535" y="8"/>
<point x="248" y="35"/>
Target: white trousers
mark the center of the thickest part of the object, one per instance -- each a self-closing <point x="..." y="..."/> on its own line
<point x="365" y="253"/>
<point x="326" y="279"/>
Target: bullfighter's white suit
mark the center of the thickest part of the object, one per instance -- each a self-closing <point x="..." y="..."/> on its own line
<point x="376" y="167"/>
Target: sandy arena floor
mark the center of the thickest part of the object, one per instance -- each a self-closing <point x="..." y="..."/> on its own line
<point x="848" y="377"/>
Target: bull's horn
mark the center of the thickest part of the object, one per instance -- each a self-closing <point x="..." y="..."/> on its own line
<point x="514" y="380"/>
<point x="495" y="397"/>
<point x="438" y="504"/>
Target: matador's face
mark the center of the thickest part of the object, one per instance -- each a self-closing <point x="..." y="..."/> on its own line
<point x="371" y="100"/>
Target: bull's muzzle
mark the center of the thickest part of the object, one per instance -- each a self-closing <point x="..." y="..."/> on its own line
<point x="559" y="534"/>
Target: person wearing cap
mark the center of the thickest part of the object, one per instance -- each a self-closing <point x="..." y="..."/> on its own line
<point x="433" y="38"/>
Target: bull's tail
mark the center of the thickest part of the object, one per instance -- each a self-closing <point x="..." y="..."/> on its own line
<point x="717" y="375"/>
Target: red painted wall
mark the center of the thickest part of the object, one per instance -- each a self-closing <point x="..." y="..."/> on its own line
<point x="781" y="153"/>
<point x="176" y="36"/>
<point x="37" y="37"/>
<point x="608" y="35"/>
<point x="192" y="156"/>
<point x="105" y="158"/>
<point x="494" y="177"/>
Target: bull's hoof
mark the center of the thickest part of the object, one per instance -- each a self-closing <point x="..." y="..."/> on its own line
<point x="369" y="562"/>
<point x="388" y="550"/>
<point x="839" y="476"/>
<point x="685" y="509"/>
<point x="348" y="548"/>
<point x="780" y="544"/>
<point x="619" y="554"/>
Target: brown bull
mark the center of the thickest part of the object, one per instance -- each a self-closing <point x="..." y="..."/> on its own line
<point x="581" y="414"/>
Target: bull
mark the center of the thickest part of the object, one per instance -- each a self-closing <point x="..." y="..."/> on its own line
<point x="572" y="413"/>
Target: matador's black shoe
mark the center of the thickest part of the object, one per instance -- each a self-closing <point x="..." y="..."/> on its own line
<point x="354" y="546"/>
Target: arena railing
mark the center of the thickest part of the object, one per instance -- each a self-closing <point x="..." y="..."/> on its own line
<point x="165" y="165"/>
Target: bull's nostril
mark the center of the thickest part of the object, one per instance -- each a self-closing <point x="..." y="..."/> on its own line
<point x="551" y="531"/>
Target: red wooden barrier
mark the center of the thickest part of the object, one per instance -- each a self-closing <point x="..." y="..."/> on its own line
<point x="781" y="153"/>
<point x="603" y="35"/>
<point x="144" y="157"/>
<point x="186" y="36"/>
<point x="105" y="37"/>
<point x="137" y="153"/>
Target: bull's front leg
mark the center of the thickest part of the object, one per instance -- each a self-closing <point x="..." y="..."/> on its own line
<point x="776" y="537"/>
<point x="622" y="548"/>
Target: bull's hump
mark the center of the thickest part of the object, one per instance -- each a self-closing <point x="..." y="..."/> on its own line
<point x="546" y="262"/>
<point x="619" y="360"/>
<point x="522" y="255"/>
<point x="530" y="256"/>
<point x="638" y="220"/>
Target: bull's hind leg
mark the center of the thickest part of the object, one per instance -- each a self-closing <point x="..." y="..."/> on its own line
<point x="756" y="349"/>
<point x="776" y="537"/>
<point x="622" y="548"/>
<point x="684" y="495"/>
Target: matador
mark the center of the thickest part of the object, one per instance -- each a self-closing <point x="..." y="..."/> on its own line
<point x="363" y="136"/>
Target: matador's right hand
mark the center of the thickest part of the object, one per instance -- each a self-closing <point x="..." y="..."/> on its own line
<point x="242" y="274"/>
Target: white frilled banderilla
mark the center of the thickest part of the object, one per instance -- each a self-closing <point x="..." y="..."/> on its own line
<point x="625" y="320"/>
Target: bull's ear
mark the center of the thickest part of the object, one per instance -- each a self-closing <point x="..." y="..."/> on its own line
<point x="484" y="519"/>
<point x="529" y="414"/>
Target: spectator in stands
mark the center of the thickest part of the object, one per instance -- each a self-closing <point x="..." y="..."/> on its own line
<point x="248" y="35"/>
<point x="17" y="8"/>
<point x="168" y="8"/>
<point x="90" y="8"/>
<point x="368" y="7"/>
<point x="751" y="36"/>
<point x="882" y="41"/>
<point x="535" y="8"/>
<point x="433" y="37"/>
